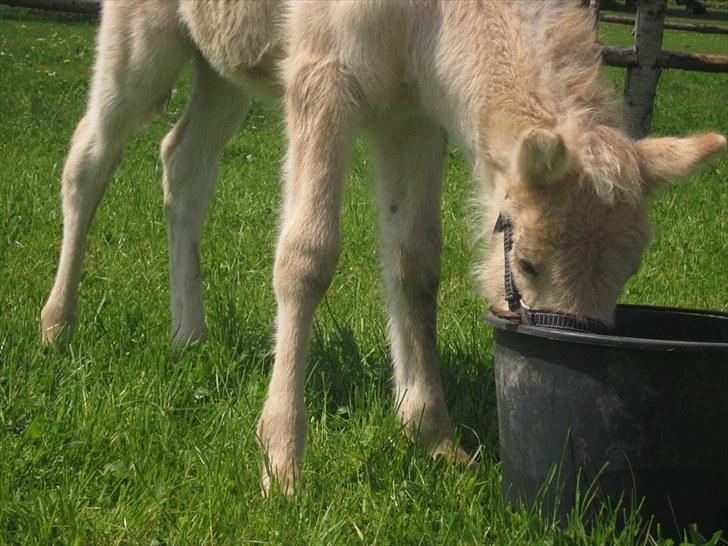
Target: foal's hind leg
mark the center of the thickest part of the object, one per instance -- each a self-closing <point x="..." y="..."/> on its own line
<point x="190" y="153"/>
<point x="409" y="161"/>
<point x="138" y="61"/>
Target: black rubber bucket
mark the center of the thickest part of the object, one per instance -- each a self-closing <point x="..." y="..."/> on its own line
<point x="638" y="415"/>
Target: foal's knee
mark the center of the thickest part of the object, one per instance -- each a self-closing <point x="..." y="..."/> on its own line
<point x="413" y="270"/>
<point x="304" y="269"/>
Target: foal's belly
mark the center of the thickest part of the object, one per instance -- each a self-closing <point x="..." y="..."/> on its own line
<point x="241" y="39"/>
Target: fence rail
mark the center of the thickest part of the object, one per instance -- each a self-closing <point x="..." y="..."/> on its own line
<point x="697" y="62"/>
<point x="92" y="7"/>
<point x="646" y="60"/>
<point x="671" y="25"/>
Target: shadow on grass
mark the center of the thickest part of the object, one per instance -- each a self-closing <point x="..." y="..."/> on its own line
<point x="338" y="369"/>
<point x="467" y="377"/>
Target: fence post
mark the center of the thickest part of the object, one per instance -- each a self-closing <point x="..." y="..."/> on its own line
<point x="641" y="80"/>
<point x="595" y="8"/>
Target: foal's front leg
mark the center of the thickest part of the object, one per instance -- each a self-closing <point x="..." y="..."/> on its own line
<point x="321" y="104"/>
<point x="409" y="156"/>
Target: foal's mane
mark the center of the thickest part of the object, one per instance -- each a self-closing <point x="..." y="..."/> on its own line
<point x="561" y="38"/>
<point x="565" y="55"/>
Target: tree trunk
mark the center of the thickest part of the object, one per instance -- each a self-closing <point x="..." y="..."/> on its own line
<point x="641" y="80"/>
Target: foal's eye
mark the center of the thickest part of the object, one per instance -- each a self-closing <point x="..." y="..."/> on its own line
<point x="527" y="268"/>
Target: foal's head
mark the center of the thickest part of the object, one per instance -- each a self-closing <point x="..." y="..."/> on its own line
<point x="577" y="204"/>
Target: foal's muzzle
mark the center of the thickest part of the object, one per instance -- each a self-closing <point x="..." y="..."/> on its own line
<point x="519" y="312"/>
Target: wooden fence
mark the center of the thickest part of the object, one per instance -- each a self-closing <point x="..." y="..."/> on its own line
<point x="670" y="25"/>
<point x="644" y="62"/>
<point x="72" y="6"/>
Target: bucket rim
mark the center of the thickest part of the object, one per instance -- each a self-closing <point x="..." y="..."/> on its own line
<point x="616" y="341"/>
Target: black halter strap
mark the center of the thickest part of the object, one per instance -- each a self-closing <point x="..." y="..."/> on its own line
<point x="537" y="317"/>
<point x="513" y="296"/>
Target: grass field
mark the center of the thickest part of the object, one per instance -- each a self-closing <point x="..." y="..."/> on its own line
<point x="116" y="440"/>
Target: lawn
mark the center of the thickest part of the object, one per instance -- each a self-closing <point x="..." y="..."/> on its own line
<point x="117" y="440"/>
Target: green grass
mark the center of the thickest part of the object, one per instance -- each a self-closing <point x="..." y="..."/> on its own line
<point x="118" y="441"/>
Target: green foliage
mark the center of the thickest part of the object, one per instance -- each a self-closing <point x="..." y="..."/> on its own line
<point x="116" y="440"/>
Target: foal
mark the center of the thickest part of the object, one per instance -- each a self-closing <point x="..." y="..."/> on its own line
<point x="512" y="83"/>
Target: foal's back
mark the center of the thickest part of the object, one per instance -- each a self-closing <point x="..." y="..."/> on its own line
<point x="245" y="41"/>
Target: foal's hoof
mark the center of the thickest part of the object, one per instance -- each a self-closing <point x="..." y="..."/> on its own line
<point x="183" y="338"/>
<point x="54" y="326"/>
<point x="453" y="453"/>
<point x="282" y="479"/>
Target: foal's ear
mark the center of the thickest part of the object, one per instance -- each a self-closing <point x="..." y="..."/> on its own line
<point x="542" y="156"/>
<point x="668" y="158"/>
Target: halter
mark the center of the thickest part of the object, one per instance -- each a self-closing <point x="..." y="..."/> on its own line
<point x="523" y="314"/>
